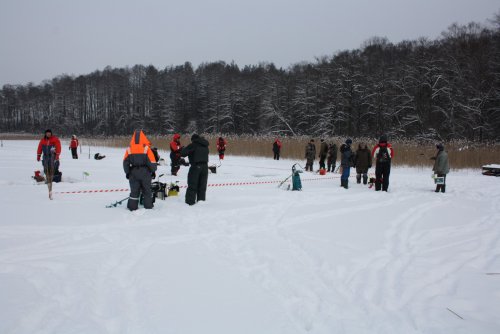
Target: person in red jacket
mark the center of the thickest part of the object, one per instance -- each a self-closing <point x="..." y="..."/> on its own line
<point x="49" y="149"/>
<point x="221" y="147"/>
<point x="382" y="154"/>
<point x="277" y="149"/>
<point x="73" y="146"/>
<point x="175" y="153"/>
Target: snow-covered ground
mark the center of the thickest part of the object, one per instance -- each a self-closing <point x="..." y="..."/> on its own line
<point x="252" y="258"/>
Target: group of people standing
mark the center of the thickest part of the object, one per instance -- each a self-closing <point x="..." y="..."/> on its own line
<point x="141" y="160"/>
<point x="362" y="159"/>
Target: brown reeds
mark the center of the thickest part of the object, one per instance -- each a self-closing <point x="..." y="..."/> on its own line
<point x="462" y="154"/>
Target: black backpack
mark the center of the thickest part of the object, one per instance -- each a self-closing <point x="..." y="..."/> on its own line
<point x="383" y="155"/>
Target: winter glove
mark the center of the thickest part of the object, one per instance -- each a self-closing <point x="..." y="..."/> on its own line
<point x="369" y="166"/>
<point x="153" y="175"/>
<point x="127" y="176"/>
<point x="37" y="158"/>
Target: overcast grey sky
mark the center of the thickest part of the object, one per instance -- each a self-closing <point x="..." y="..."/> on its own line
<point x="40" y="39"/>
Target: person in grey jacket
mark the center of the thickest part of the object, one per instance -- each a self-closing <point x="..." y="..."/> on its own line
<point x="441" y="166"/>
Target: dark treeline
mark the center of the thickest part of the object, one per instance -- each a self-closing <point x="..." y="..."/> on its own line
<point x="443" y="89"/>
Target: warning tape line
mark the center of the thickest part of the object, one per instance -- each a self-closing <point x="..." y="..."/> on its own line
<point x="228" y="184"/>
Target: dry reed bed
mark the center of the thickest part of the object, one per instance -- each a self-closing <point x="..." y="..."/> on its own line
<point x="462" y="154"/>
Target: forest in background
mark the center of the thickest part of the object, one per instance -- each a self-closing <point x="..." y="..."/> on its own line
<point x="442" y="89"/>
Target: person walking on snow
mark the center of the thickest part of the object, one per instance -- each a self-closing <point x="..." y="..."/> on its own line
<point x="346" y="162"/>
<point x="323" y="152"/>
<point x="277" y="149"/>
<point x="221" y="147"/>
<point x="310" y="155"/>
<point x="383" y="155"/>
<point x="197" y="152"/>
<point x="49" y="149"/>
<point x="332" y="157"/>
<point x="362" y="162"/>
<point x="73" y="146"/>
<point x="139" y="165"/>
<point x="441" y="166"/>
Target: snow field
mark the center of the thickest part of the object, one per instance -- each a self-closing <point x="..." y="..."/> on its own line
<point x="252" y="258"/>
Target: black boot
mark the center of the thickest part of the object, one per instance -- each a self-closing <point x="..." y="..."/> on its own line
<point x="365" y="179"/>
<point x="443" y="188"/>
<point x="346" y="184"/>
<point x="358" y="178"/>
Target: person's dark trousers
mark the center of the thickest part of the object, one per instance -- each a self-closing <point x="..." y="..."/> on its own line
<point x="140" y="181"/>
<point x="309" y="165"/>
<point x="358" y="178"/>
<point x="331" y="165"/>
<point x="197" y="183"/>
<point x="382" y="172"/>
<point x="344" y="178"/>
<point x="322" y="162"/>
<point x="74" y="152"/>
<point x="175" y="162"/>
<point x="276" y="156"/>
<point x="441" y="187"/>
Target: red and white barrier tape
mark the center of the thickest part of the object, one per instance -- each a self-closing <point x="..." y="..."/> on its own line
<point x="229" y="184"/>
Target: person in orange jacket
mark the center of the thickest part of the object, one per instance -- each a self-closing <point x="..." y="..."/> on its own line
<point x="73" y="146"/>
<point x="221" y="147"/>
<point x="139" y="165"/>
<point x="50" y="147"/>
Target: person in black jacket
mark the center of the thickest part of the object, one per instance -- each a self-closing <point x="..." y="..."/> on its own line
<point x="346" y="162"/>
<point x="197" y="152"/>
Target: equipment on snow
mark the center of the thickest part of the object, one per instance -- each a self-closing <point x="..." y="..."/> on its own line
<point x="115" y="204"/>
<point x="213" y="168"/>
<point x="491" y="170"/>
<point x="38" y="177"/>
<point x="371" y="182"/>
<point x="173" y="189"/>
<point x="438" y="179"/>
<point x="296" y="183"/>
<point x="98" y="156"/>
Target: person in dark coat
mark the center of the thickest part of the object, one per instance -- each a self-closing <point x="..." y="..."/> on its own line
<point x="441" y="166"/>
<point x="323" y="152"/>
<point x="277" y="149"/>
<point x="139" y="165"/>
<point x="362" y="162"/>
<point x="310" y="155"/>
<point x="383" y="155"/>
<point x="346" y="162"/>
<point x="197" y="152"/>
<point x="332" y="157"/>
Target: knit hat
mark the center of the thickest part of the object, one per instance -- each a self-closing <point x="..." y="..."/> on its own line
<point x="48" y="130"/>
<point x="194" y="136"/>
<point x="383" y="139"/>
<point x="440" y="146"/>
<point x="348" y="141"/>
